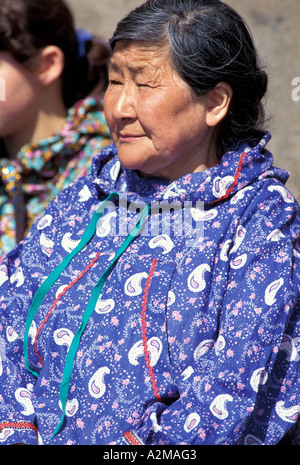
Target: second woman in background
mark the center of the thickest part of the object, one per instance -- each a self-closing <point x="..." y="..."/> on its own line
<point x="51" y="120"/>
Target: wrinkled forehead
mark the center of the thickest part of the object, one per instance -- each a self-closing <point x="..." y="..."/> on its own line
<point x="138" y="56"/>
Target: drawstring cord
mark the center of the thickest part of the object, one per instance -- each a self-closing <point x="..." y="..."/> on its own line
<point x="52" y="278"/>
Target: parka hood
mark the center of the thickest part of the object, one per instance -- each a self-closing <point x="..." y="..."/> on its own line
<point x="236" y="170"/>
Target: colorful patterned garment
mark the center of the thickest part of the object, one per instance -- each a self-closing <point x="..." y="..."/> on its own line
<point x="41" y="171"/>
<point x="139" y="336"/>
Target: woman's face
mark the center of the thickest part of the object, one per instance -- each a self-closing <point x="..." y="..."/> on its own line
<point x="156" y="122"/>
<point x="20" y="92"/>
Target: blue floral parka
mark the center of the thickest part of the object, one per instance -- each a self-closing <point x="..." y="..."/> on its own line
<point x="117" y="328"/>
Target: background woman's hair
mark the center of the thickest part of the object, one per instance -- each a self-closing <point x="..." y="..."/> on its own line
<point x="209" y="43"/>
<point x="27" y="26"/>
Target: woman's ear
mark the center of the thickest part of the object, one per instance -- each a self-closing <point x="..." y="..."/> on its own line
<point x="51" y="65"/>
<point x="218" y="103"/>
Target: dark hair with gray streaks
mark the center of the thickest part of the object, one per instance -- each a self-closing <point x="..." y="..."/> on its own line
<point x="209" y="43"/>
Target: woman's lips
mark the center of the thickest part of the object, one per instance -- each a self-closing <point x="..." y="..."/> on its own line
<point x="128" y="137"/>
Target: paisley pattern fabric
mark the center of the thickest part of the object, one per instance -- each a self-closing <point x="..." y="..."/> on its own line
<point x="48" y="167"/>
<point x="186" y="343"/>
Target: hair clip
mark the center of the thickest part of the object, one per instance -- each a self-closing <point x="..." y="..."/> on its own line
<point x="82" y="37"/>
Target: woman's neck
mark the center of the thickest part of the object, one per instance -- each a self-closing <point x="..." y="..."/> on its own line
<point x="46" y="125"/>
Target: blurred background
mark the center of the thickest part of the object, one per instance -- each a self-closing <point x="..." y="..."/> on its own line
<point x="275" y="27"/>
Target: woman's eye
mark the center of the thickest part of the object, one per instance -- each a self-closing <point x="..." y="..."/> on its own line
<point x="115" y="82"/>
<point x="143" y="85"/>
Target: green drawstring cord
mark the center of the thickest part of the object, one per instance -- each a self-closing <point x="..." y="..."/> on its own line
<point x="48" y="283"/>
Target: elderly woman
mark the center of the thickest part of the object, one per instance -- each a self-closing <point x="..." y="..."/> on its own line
<point x="157" y="300"/>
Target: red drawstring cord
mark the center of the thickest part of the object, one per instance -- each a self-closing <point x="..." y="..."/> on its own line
<point x="144" y="330"/>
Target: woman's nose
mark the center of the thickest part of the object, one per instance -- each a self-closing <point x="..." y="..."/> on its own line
<point x="124" y="106"/>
